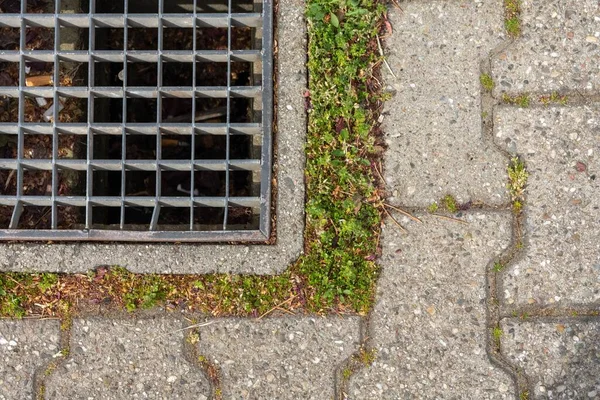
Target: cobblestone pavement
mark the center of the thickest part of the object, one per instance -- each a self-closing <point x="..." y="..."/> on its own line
<point x="482" y="303"/>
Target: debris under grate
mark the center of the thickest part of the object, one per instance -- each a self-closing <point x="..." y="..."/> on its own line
<point x="135" y="120"/>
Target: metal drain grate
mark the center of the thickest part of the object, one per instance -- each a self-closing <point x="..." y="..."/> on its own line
<point x="145" y="120"/>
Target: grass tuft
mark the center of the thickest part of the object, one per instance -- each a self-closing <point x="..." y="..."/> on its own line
<point x="554" y="98"/>
<point x="521" y="100"/>
<point x="517" y="181"/>
<point x="512" y="14"/>
<point x="498" y="266"/>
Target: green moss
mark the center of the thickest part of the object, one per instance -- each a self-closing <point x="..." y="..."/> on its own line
<point x="524" y="395"/>
<point x="450" y="204"/>
<point x="433" y="207"/>
<point x="346" y="373"/>
<point x="487" y="82"/>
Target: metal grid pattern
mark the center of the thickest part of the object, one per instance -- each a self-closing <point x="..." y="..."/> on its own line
<point x="226" y="151"/>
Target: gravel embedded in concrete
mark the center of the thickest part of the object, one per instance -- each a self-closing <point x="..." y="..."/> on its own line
<point x="559" y="49"/>
<point x="561" y="358"/>
<point x="279" y="358"/>
<point x="26" y="348"/>
<point x="429" y="322"/>
<point x="561" y="262"/>
<point x="127" y="359"/>
<point x="433" y="123"/>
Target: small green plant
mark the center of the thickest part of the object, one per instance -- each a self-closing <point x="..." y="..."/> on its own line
<point x="513" y="27"/>
<point x="498" y="266"/>
<point x="524" y="395"/>
<point x="367" y="357"/>
<point x="433" y="207"/>
<point x="47" y="281"/>
<point x="487" y="82"/>
<point x="512" y="12"/>
<point x="521" y="100"/>
<point x="554" y="98"/>
<point x="449" y="203"/>
<point x="347" y="373"/>
<point x="497" y="334"/>
<point x="517" y="180"/>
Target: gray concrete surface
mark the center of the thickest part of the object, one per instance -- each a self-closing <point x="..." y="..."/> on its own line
<point x="561" y="358"/>
<point x="561" y="261"/>
<point x="290" y="358"/>
<point x="202" y="259"/>
<point x="559" y="49"/>
<point x="26" y="348"/>
<point x="127" y="359"/>
<point x="429" y="322"/>
<point x="433" y="123"/>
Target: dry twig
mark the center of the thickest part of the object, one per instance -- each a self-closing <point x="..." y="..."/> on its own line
<point x="451" y="219"/>
<point x="401" y="211"/>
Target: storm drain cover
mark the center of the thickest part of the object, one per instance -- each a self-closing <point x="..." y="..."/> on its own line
<point x="135" y="120"/>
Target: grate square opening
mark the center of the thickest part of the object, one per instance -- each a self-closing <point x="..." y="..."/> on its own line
<point x="142" y="38"/>
<point x="106" y="183"/>
<point x="178" y="74"/>
<point x="107" y="109"/>
<point x="138" y="218"/>
<point x="10" y="38"/>
<point x="35" y="217"/>
<point x="140" y="183"/>
<point x="71" y="217"/>
<point x="71" y="182"/>
<point x="106" y="217"/>
<point x="37" y="183"/>
<point x="176" y="38"/>
<point x="8" y="182"/>
<point x="73" y="74"/>
<point x="142" y="74"/>
<point x="141" y="115"/>
<point x="141" y="110"/>
<point x="5" y="214"/>
<point x="107" y="147"/>
<point x="110" y="7"/>
<point x="108" y="74"/>
<point x="73" y="147"/>
<point x="106" y="38"/>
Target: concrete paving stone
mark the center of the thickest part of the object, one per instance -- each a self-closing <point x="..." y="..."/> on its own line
<point x="26" y="347"/>
<point x="559" y="49"/>
<point x="429" y="322"/>
<point x="213" y="258"/>
<point x="561" y="358"/>
<point x="280" y="358"/>
<point x="127" y="359"/>
<point x="433" y="123"/>
<point x="561" y="148"/>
